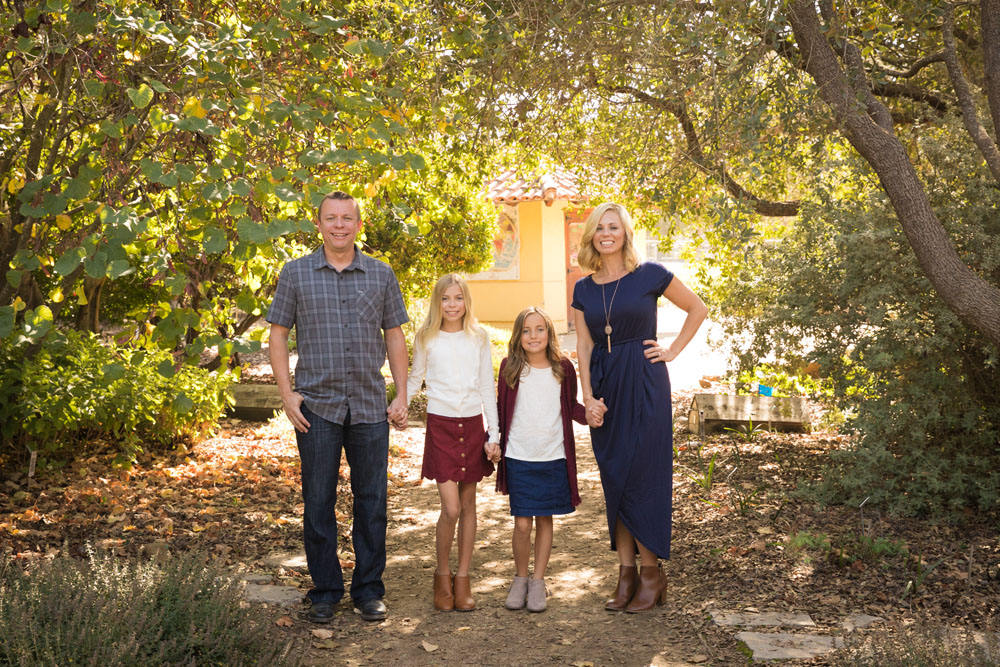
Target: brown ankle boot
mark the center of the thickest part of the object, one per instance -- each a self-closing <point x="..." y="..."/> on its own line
<point x="444" y="599"/>
<point x="626" y="588"/>
<point x="652" y="589"/>
<point x="463" y="594"/>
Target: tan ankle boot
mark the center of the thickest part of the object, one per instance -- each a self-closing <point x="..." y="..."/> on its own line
<point x="444" y="598"/>
<point x="463" y="594"/>
<point x="627" y="583"/>
<point x="652" y="589"/>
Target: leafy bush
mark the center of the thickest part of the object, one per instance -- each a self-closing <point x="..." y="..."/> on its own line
<point x="784" y="382"/>
<point x="842" y="289"/>
<point x="109" y="612"/>
<point x="77" y="389"/>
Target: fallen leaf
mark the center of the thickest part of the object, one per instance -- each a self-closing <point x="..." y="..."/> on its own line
<point x="566" y="641"/>
<point x="765" y="530"/>
<point x="699" y="657"/>
<point x="463" y="628"/>
<point x="320" y="633"/>
<point x="325" y="644"/>
<point x="284" y="621"/>
<point x="583" y="663"/>
<point x="428" y="646"/>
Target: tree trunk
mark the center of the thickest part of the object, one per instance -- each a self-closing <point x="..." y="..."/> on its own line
<point x="975" y="301"/>
<point x="89" y="316"/>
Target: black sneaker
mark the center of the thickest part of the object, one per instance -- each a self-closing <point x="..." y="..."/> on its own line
<point x="370" y="610"/>
<point x="320" y="612"/>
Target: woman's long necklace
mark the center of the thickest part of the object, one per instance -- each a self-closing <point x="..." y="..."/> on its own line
<point x="607" y="311"/>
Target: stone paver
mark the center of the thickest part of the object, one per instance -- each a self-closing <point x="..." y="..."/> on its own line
<point x="859" y="621"/>
<point x="292" y="560"/>
<point x="766" y="618"/>
<point x="286" y="596"/>
<point x="786" y="646"/>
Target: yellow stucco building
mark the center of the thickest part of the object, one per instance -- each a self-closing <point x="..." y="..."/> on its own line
<point x="540" y="222"/>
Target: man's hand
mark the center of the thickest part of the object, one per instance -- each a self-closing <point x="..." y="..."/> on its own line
<point x="293" y="410"/>
<point x="397" y="413"/>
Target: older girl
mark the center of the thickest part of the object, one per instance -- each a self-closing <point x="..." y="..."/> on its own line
<point x="453" y="353"/>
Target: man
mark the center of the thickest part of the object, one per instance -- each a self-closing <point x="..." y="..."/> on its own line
<point x="340" y="302"/>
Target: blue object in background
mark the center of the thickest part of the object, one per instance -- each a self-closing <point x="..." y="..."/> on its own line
<point x="764" y="390"/>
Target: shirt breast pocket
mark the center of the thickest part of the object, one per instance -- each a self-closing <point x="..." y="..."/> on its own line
<point x="369" y="305"/>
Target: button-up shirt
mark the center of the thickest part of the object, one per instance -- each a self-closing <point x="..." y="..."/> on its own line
<point x="339" y="319"/>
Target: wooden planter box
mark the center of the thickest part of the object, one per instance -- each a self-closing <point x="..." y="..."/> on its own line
<point x="712" y="412"/>
<point x="256" y="402"/>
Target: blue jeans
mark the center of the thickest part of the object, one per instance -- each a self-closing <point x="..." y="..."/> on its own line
<point x="367" y="449"/>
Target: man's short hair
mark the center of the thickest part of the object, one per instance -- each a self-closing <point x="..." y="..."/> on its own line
<point x="339" y="195"/>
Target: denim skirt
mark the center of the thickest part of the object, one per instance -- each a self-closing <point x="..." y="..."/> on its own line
<point x="538" y="488"/>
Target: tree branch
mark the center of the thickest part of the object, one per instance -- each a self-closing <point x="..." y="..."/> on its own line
<point x="989" y="13"/>
<point x="965" y="100"/>
<point x="975" y="301"/>
<point x="695" y="153"/>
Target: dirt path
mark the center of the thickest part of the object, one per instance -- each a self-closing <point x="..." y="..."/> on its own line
<point x="575" y="630"/>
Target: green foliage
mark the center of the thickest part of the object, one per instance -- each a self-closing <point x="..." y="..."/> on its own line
<point x="499" y="341"/>
<point x="748" y="432"/>
<point x="703" y="472"/>
<point x="169" y="159"/>
<point x="784" y="381"/>
<point x="842" y="290"/>
<point x="107" y="611"/>
<point x="77" y="388"/>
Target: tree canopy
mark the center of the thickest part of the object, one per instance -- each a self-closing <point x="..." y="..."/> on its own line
<point x="166" y="159"/>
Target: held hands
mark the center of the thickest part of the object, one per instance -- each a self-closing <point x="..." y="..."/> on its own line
<point x="492" y="450"/>
<point x="293" y="410"/>
<point x="656" y="354"/>
<point x="595" y="411"/>
<point x="398" y="414"/>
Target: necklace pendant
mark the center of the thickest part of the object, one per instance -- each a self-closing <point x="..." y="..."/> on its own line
<point x="607" y="329"/>
<point x="609" y="342"/>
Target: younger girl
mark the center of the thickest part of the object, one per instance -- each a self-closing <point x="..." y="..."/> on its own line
<point x="536" y="403"/>
<point x="453" y="353"/>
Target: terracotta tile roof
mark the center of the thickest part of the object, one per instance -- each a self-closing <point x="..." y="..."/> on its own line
<point x="509" y="187"/>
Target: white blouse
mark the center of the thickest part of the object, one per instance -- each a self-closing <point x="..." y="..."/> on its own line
<point x="536" y="432"/>
<point x="459" y="374"/>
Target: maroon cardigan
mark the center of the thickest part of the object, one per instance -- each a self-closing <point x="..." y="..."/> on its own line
<point x="572" y="410"/>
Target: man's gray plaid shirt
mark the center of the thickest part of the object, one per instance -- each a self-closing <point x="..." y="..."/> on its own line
<point x="339" y="318"/>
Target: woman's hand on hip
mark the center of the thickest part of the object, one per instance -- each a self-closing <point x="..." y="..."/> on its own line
<point x="655" y="353"/>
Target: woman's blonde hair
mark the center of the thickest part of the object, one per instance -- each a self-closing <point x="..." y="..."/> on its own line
<point x="432" y="323"/>
<point x="588" y="258"/>
<point x="517" y="360"/>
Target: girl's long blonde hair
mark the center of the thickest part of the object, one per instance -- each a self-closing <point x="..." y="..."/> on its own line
<point x="432" y="323"/>
<point x="588" y="258"/>
<point x="517" y="360"/>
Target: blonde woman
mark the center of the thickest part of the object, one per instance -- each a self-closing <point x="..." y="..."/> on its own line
<point x="626" y="392"/>
<point x="452" y="354"/>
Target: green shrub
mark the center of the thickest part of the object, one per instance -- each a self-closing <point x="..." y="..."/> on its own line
<point x="784" y="381"/>
<point x="77" y="389"/>
<point x="499" y="339"/>
<point x="107" y="612"/>
<point x="841" y="288"/>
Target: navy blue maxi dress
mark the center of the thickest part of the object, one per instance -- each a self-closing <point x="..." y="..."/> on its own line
<point x="634" y="447"/>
